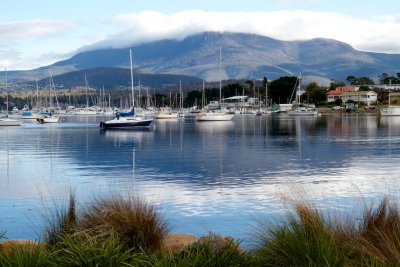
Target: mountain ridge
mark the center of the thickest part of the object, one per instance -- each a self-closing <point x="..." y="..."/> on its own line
<point x="244" y="56"/>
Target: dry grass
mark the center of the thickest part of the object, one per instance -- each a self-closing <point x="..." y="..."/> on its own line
<point x="379" y="233"/>
<point x="136" y="223"/>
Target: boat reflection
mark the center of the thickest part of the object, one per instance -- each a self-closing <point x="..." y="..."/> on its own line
<point x="390" y="121"/>
<point x="127" y="135"/>
<point x="215" y="126"/>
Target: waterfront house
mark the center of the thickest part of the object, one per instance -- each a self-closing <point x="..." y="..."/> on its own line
<point x="346" y="93"/>
<point x="336" y="94"/>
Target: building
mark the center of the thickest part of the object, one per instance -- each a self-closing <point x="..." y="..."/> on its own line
<point x="336" y="94"/>
<point x="346" y="93"/>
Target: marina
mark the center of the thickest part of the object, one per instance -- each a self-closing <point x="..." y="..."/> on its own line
<point x="215" y="176"/>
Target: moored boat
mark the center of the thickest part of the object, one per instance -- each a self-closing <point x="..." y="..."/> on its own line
<point x="128" y="119"/>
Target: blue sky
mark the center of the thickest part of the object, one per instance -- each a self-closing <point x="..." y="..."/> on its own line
<point x="41" y="32"/>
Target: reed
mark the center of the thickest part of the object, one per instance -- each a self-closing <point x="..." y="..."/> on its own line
<point x="379" y="233"/>
<point x="60" y="221"/>
<point x="136" y="223"/>
<point x="205" y="252"/>
<point x="29" y="254"/>
<point x="306" y="239"/>
<point x="82" y="249"/>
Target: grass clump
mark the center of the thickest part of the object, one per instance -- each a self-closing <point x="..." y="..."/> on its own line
<point x="378" y="235"/>
<point x="306" y="239"/>
<point x="136" y="223"/>
<point x="61" y="221"/>
<point x="212" y="250"/>
<point x="82" y="249"/>
<point x="29" y="254"/>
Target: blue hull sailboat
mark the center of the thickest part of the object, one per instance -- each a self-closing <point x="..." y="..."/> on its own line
<point x="127" y="119"/>
<point x="131" y="121"/>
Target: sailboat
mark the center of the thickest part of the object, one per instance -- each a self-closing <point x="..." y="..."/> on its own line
<point x="390" y="110"/>
<point x="129" y="119"/>
<point x="167" y="112"/>
<point x="86" y="110"/>
<point x="47" y="117"/>
<point x="219" y="114"/>
<point x="300" y="110"/>
<point x="6" y="121"/>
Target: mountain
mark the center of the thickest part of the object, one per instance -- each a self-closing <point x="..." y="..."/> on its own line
<point x="244" y="56"/>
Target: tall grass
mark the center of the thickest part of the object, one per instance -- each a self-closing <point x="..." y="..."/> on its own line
<point x="82" y="249"/>
<point x="26" y="255"/>
<point x="62" y="220"/>
<point x="205" y="253"/>
<point x="306" y="239"/>
<point x="379" y="233"/>
<point x="136" y="223"/>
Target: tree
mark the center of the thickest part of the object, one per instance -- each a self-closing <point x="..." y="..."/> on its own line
<point x="383" y="78"/>
<point x="335" y="84"/>
<point x="351" y="79"/>
<point x="359" y="80"/>
<point x="281" y="90"/>
<point x="364" y="88"/>
<point x="315" y="93"/>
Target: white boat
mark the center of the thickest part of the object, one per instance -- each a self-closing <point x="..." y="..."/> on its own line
<point x="303" y="111"/>
<point x="6" y="121"/>
<point x="86" y="110"/>
<point x="214" y="116"/>
<point x="390" y="110"/>
<point x="218" y="114"/>
<point x="48" y="118"/>
<point x="166" y="113"/>
<point x="129" y="119"/>
<point x="300" y="110"/>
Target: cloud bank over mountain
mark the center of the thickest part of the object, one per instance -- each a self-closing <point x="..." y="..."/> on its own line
<point x="379" y="34"/>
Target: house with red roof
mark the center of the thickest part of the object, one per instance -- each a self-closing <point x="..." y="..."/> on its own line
<point x="346" y="93"/>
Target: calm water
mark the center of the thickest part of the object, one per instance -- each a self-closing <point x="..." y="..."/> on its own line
<point x="208" y="176"/>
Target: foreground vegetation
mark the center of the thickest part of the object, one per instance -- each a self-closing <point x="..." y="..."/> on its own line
<point x="126" y="231"/>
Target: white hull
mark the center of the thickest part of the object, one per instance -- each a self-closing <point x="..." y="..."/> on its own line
<point x="302" y="111"/>
<point x="167" y="116"/>
<point x="390" y="111"/>
<point x="85" y="112"/>
<point x="214" y="116"/>
<point x="48" y="119"/>
<point x="9" y="122"/>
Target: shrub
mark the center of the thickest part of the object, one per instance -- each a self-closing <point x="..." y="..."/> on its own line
<point x="206" y="252"/>
<point x="136" y="223"/>
<point x="379" y="233"/>
<point x="81" y="249"/>
<point x="307" y="239"/>
<point x="29" y="254"/>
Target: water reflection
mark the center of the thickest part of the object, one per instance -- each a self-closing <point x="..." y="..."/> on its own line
<point x="202" y="174"/>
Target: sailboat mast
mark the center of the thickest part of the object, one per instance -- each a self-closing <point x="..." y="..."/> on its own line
<point x="5" y="70"/>
<point x="133" y="93"/>
<point x="203" y="98"/>
<point x="180" y="94"/>
<point x="220" y="75"/>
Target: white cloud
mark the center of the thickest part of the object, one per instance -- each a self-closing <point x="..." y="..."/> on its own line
<point x="379" y="34"/>
<point x="31" y="44"/>
<point x="34" y="29"/>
